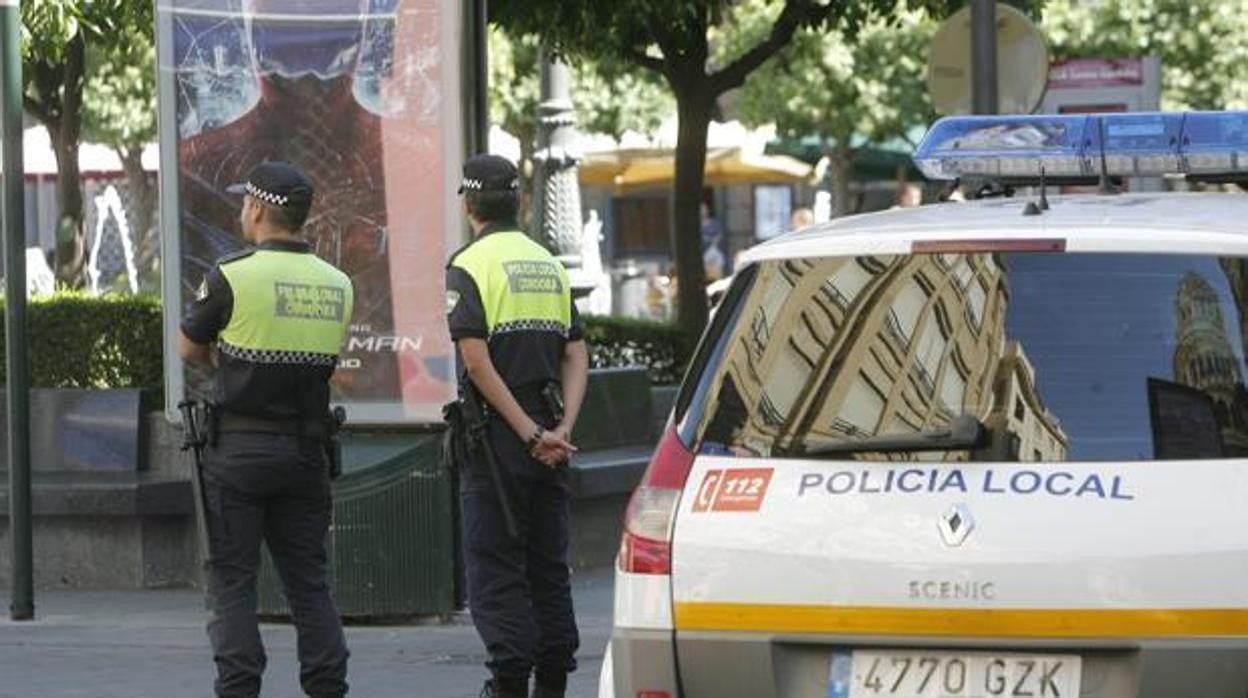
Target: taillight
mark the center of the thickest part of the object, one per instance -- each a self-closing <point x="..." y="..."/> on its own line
<point x="646" y="547"/>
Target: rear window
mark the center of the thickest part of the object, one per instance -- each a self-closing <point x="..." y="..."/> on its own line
<point x="1060" y="357"/>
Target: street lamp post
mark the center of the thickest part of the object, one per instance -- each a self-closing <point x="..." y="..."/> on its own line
<point x="22" y="599"/>
<point x="557" y="191"/>
<point x="984" y="56"/>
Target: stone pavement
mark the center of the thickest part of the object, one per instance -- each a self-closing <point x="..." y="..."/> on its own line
<point x="152" y="645"/>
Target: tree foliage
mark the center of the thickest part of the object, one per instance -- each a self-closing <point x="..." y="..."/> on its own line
<point x="119" y="110"/>
<point x="611" y="97"/>
<point x="119" y="96"/>
<point x="851" y="94"/>
<point x="1203" y="45"/>
<point x="672" y="38"/>
<point x="56" y="38"/>
<point x="514" y="89"/>
<point x="874" y="88"/>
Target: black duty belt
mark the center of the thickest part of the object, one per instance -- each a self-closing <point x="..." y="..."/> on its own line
<point x="312" y="428"/>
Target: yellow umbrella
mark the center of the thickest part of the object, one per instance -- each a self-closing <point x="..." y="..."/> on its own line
<point x="637" y="169"/>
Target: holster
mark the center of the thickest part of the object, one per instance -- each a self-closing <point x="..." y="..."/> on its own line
<point x="333" y="440"/>
<point x="552" y="394"/>
<point x="209" y="422"/>
<point x="455" y="440"/>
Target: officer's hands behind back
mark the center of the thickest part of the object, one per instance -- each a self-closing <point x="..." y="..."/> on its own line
<point x="553" y="448"/>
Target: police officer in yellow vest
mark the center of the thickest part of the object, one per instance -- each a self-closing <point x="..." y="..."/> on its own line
<point x="520" y="345"/>
<point x="277" y="316"/>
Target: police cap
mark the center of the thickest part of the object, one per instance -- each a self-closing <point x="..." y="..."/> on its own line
<point x="487" y="172"/>
<point x="278" y="184"/>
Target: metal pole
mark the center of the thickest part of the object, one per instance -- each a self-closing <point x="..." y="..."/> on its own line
<point x="557" y="189"/>
<point x="984" y="56"/>
<point x="557" y="199"/>
<point x="22" y="601"/>
<point x="481" y="62"/>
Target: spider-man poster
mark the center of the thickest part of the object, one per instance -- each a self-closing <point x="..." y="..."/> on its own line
<point x="363" y="96"/>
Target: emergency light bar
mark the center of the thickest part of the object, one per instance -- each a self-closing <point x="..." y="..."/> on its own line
<point x="1207" y="145"/>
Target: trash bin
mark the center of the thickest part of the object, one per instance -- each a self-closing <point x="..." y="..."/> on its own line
<point x="391" y="544"/>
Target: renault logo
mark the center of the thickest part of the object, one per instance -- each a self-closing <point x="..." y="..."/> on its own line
<point x="956" y="524"/>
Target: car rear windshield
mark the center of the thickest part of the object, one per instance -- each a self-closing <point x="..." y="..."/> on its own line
<point x="1058" y="357"/>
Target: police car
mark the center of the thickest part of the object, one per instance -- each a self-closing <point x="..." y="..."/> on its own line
<point x="994" y="448"/>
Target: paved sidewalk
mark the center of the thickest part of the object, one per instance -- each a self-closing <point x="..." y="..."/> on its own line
<point x="152" y="645"/>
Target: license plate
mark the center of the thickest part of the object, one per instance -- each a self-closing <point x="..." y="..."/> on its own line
<point x="943" y="674"/>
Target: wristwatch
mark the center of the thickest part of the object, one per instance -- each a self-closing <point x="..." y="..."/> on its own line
<point x="535" y="438"/>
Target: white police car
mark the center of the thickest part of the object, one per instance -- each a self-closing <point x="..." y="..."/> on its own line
<point x="977" y="449"/>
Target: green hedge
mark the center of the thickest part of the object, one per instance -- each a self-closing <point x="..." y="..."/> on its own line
<point x="619" y="341"/>
<point x="79" y="341"/>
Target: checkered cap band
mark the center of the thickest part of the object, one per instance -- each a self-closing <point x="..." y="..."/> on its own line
<point x="479" y="185"/>
<point x="267" y="197"/>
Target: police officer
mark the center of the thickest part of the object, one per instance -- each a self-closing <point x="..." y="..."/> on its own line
<point x="521" y="349"/>
<point x="278" y="316"/>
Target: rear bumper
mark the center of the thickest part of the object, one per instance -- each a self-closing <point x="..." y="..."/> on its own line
<point x="769" y="666"/>
<point x="643" y="660"/>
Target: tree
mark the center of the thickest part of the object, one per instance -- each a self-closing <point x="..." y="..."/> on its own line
<point x="850" y="94"/>
<point x="1203" y="45"/>
<point x="55" y="38"/>
<point x="611" y="97"/>
<point x="672" y="39"/>
<point x="615" y="97"/>
<point x="119" y="110"/>
<point x="514" y="89"/>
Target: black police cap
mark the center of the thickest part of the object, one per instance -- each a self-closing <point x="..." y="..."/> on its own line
<point x="487" y="172"/>
<point x="278" y="184"/>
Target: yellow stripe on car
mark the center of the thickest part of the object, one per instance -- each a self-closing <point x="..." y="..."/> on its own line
<point x="1030" y="623"/>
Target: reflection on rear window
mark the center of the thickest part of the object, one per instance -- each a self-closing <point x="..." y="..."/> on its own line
<point x="1086" y="357"/>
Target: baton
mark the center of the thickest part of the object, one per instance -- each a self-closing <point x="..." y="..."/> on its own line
<point x="194" y="441"/>
<point x="474" y="416"/>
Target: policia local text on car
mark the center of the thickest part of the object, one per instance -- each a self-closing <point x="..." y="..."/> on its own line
<point x="278" y="316"/>
<point x="523" y="359"/>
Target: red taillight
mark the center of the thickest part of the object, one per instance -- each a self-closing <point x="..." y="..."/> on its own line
<point x="646" y="547"/>
<point x="653" y="694"/>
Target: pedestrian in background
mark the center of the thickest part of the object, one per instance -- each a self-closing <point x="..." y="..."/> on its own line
<point x="277" y="316"/>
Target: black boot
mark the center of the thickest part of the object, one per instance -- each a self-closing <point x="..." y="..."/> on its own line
<point x="504" y="688"/>
<point x="540" y="691"/>
<point x="550" y="684"/>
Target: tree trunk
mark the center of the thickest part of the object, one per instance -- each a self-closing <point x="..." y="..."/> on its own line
<point x="693" y="107"/>
<point x="142" y="211"/>
<point x="65" y="135"/>
<point x="70" y="240"/>
<point x="841" y="159"/>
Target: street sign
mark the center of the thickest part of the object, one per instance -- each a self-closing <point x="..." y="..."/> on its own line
<point x="1022" y="63"/>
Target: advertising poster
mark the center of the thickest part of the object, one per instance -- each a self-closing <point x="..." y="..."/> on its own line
<point x="364" y="97"/>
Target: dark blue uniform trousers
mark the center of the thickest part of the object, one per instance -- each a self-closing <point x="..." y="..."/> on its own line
<point x="519" y="590"/>
<point x="275" y="488"/>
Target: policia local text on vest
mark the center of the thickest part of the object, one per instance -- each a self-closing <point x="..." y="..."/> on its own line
<point x="277" y="316"/>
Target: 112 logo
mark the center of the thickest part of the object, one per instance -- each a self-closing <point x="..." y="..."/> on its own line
<point x="733" y="490"/>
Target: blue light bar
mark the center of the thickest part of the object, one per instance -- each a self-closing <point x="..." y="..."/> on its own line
<point x="1215" y="143"/>
<point x="1140" y="144"/>
<point x="1004" y="146"/>
<point x="1208" y="144"/>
